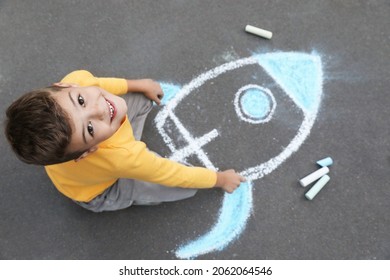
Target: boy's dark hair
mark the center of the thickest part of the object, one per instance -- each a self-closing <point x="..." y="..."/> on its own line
<point x="38" y="129"/>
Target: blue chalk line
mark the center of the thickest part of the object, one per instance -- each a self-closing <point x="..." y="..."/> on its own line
<point x="235" y="211"/>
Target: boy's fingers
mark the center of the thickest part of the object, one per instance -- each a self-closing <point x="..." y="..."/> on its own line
<point x="156" y="100"/>
<point x="240" y="177"/>
<point x="159" y="97"/>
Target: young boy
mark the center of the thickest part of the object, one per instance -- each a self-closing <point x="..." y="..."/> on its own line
<point x="88" y="139"/>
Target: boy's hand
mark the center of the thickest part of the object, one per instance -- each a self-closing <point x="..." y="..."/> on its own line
<point x="151" y="89"/>
<point x="229" y="180"/>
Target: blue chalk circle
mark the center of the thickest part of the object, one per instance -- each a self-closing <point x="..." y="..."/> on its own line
<point x="317" y="187"/>
<point x="254" y="104"/>
<point x="325" y="162"/>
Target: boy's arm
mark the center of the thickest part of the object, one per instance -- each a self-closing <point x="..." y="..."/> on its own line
<point x="151" y="89"/>
<point x="117" y="86"/>
<point x="137" y="162"/>
<point x="85" y="78"/>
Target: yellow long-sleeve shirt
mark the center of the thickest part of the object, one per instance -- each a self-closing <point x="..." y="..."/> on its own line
<point x="120" y="156"/>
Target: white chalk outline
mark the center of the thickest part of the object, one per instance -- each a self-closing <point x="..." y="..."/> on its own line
<point x="243" y="115"/>
<point x="195" y="144"/>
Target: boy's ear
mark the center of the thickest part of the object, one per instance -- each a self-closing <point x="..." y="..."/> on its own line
<point x="86" y="153"/>
<point x="65" y="85"/>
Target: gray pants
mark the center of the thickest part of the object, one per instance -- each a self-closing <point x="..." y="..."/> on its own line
<point x="126" y="192"/>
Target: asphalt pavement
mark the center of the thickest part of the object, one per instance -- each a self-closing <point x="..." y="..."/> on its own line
<point x="343" y="46"/>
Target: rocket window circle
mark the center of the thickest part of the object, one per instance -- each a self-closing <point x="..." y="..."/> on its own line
<point x="254" y="104"/>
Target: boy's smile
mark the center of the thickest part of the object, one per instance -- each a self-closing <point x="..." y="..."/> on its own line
<point x="95" y="115"/>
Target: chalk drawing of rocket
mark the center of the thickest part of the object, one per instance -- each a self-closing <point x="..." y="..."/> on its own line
<point x="241" y="102"/>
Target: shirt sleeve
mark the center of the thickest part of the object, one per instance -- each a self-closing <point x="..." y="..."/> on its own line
<point x="84" y="78"/>
<point x="141" y="164"/>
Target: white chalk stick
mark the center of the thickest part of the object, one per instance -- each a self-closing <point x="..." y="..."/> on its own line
<point x="313" y="176"/>
<point x="258" y="31"/>
<point x="317" y="187"/>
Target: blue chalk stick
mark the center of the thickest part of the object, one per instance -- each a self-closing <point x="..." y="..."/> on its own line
<point x="317" y="187"/>
<point x="325" y="162"/>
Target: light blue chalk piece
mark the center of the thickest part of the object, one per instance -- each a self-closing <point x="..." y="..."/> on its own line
<point x="256" y="104"/>
<point x="169" y="90"/>
<point x="325" y="162"/>
<point x="317" y="187"/>
<point x="235" y="211"/>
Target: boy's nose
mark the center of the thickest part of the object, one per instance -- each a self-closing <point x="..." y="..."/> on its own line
<point x="99" y="111"/>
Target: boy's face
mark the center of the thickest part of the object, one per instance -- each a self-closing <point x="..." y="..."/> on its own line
<point x="95" y="115"/>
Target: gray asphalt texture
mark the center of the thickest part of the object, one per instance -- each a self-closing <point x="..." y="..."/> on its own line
<point x="175" y="41"/>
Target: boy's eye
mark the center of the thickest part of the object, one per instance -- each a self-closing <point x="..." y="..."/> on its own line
<point x="81" y="101"/>
<point x="90" y="129"/>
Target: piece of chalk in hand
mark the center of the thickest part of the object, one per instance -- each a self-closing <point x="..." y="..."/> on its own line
<point x="258" y="31"/>
<point x="325" y="162"/>
<point x="313" y="176"/>
<point x="317" y="187"/>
